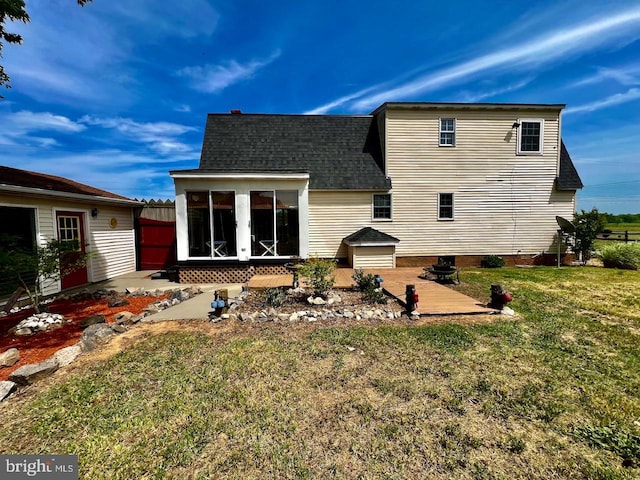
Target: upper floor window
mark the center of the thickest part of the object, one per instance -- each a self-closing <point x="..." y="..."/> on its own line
<point x="382" y="206"/>
<point x="445" y="206"/>
<point x="530" y="136"/>
<point x="447" y="132"/>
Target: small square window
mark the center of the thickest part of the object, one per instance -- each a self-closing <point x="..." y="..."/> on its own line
<point x="447" y="132"/>
<point x="530" y="135"/>
<point x="382" y="206"/>
<point x="445" y="206"/>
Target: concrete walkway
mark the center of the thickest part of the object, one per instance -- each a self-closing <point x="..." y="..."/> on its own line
<point x="197" y="307"/>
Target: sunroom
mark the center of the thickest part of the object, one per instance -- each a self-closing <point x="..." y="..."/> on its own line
<point x="226" y="219"/>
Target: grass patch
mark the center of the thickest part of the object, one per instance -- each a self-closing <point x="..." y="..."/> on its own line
<point x="552" y="393"/>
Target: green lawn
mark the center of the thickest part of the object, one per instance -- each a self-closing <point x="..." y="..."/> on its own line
<point x="550" y="393"/>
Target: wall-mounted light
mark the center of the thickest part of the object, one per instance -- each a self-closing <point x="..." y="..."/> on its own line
<point x="515" y="125"/>
<point x="94" y="212"/>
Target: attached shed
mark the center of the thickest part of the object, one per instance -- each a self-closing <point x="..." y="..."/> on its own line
<point x="36" y="207"/>
<point x="371" y="248"/>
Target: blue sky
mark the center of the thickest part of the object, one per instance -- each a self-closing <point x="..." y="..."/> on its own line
<point x="115" y="94"/>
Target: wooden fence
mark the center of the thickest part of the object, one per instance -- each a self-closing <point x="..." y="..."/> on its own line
<point x="619" y="236"/>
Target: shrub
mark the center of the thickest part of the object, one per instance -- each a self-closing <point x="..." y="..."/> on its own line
<point x="318" y="272"/>
<point x="366" y="283"/>
<point x="588" y="226"/>
<point x="621" y="255"/>
<point x="492" y="261"/>
<point x="275" y="297"/>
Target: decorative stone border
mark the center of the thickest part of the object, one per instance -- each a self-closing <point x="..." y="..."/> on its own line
<point x="92" y="337"/>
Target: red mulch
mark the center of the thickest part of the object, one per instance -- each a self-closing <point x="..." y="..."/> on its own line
<point x="40" y="346"/>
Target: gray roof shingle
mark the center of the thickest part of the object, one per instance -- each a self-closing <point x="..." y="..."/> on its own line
<point x="568" y="179"/>
<point x="369" y="235"/>
<point x="338" y="152"/>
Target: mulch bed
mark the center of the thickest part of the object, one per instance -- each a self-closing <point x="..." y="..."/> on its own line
<point x="40" y="346"/>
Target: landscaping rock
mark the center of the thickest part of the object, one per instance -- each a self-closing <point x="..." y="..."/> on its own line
<point x="116" y="327"/>
<point x="39" y="322"/>
<point x="9" y="358"/>
<point x="23" y="331"/>
<point x="6" y="387"/>
<point x="124" y="318"/>
<point x="92" y="320"/>
<point x="28" y="374"/>
<point x="67" y="355"/>
<point x="95" y="335"/>
<point x="117" y="302"/>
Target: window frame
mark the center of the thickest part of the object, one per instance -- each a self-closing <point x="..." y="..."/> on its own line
<point x="373" y="208"/>
<point x="452" y="206"/>
<point x="521" y="122"/>
<point x="452" y="132"/>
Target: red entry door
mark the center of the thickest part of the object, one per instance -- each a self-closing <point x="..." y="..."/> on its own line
<point x="71" y="229"/>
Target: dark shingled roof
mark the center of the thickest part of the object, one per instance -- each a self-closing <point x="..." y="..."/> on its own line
<point x="370" y="235"/>
<point x="24" y="178"/>
<point x="338" y="152"/>
<point x="568" y="178"/>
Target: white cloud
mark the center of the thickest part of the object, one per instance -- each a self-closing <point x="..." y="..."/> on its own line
<point x="159" y="136"/>
<point x="215" y="78"/>
<point x="628" y="75"/>
<point x="17" y="128"/>
<point x="617" y="99"/>
<point x="476" y="97"/>
<point x="546" y="48"/>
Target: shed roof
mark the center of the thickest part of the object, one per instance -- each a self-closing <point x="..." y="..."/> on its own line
<point x="370" y="236"/>
<point x="32" y="182"/>
<point x="338" y="152"/>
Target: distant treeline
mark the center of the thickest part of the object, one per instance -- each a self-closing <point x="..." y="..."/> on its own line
<point x="622" y="218"/>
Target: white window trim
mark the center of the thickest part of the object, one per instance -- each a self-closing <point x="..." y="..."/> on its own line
<point x="373" y="206"/>
<point x="440" y="131"/>
<point x="453" y="205"/>
<point x="519" y="135"/>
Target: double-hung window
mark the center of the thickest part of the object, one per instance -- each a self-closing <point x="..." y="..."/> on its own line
<point x="530" y="136"/>
<point x="447" y="132"/>
<point x="382" y="206"/>
<point x="445" y="206"/>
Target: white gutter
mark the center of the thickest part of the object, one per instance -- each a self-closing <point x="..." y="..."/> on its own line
<point x="40" y="192"/>
<point x="292" y="176"/>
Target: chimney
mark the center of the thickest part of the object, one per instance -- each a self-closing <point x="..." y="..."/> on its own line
<point x="236" y="112"/>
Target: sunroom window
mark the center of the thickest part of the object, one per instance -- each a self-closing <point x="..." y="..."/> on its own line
<point x="274" y="223"/>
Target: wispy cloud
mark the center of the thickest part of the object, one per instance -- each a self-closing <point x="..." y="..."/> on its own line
<point x="215" y="78"/>
<point x="476" y="97"/>
<point x="19" y="127"/>
<point x="617" y="99"/>
<point x="546" y="48"/>
<point x="159" y="136"/>
<point x="628" y="75"/>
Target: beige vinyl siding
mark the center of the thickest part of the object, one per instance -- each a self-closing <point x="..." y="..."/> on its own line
<point x="372" y="257"/>
<point x="503" y="203"/>
<point x="112" y="249"/>
<point x="333" y="216"/>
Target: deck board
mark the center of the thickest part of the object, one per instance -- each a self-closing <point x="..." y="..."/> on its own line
<point x="435" y="299"/>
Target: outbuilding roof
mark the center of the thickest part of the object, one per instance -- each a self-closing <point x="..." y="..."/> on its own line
<point x="28" y="182"/>
<point x="370" y="236"/>
<point x="338" y="152"/>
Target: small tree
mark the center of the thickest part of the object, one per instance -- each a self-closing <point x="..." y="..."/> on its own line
<point x="42" y="264"/>
<point x="588" y="226"/>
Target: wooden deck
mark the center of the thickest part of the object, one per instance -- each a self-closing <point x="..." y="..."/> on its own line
<point x="435" y="299"/>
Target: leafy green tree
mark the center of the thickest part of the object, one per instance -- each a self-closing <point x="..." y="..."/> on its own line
<point x="14" y="10"/>
<point x="37" y="269"/>
<point x="588" y="226"/>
